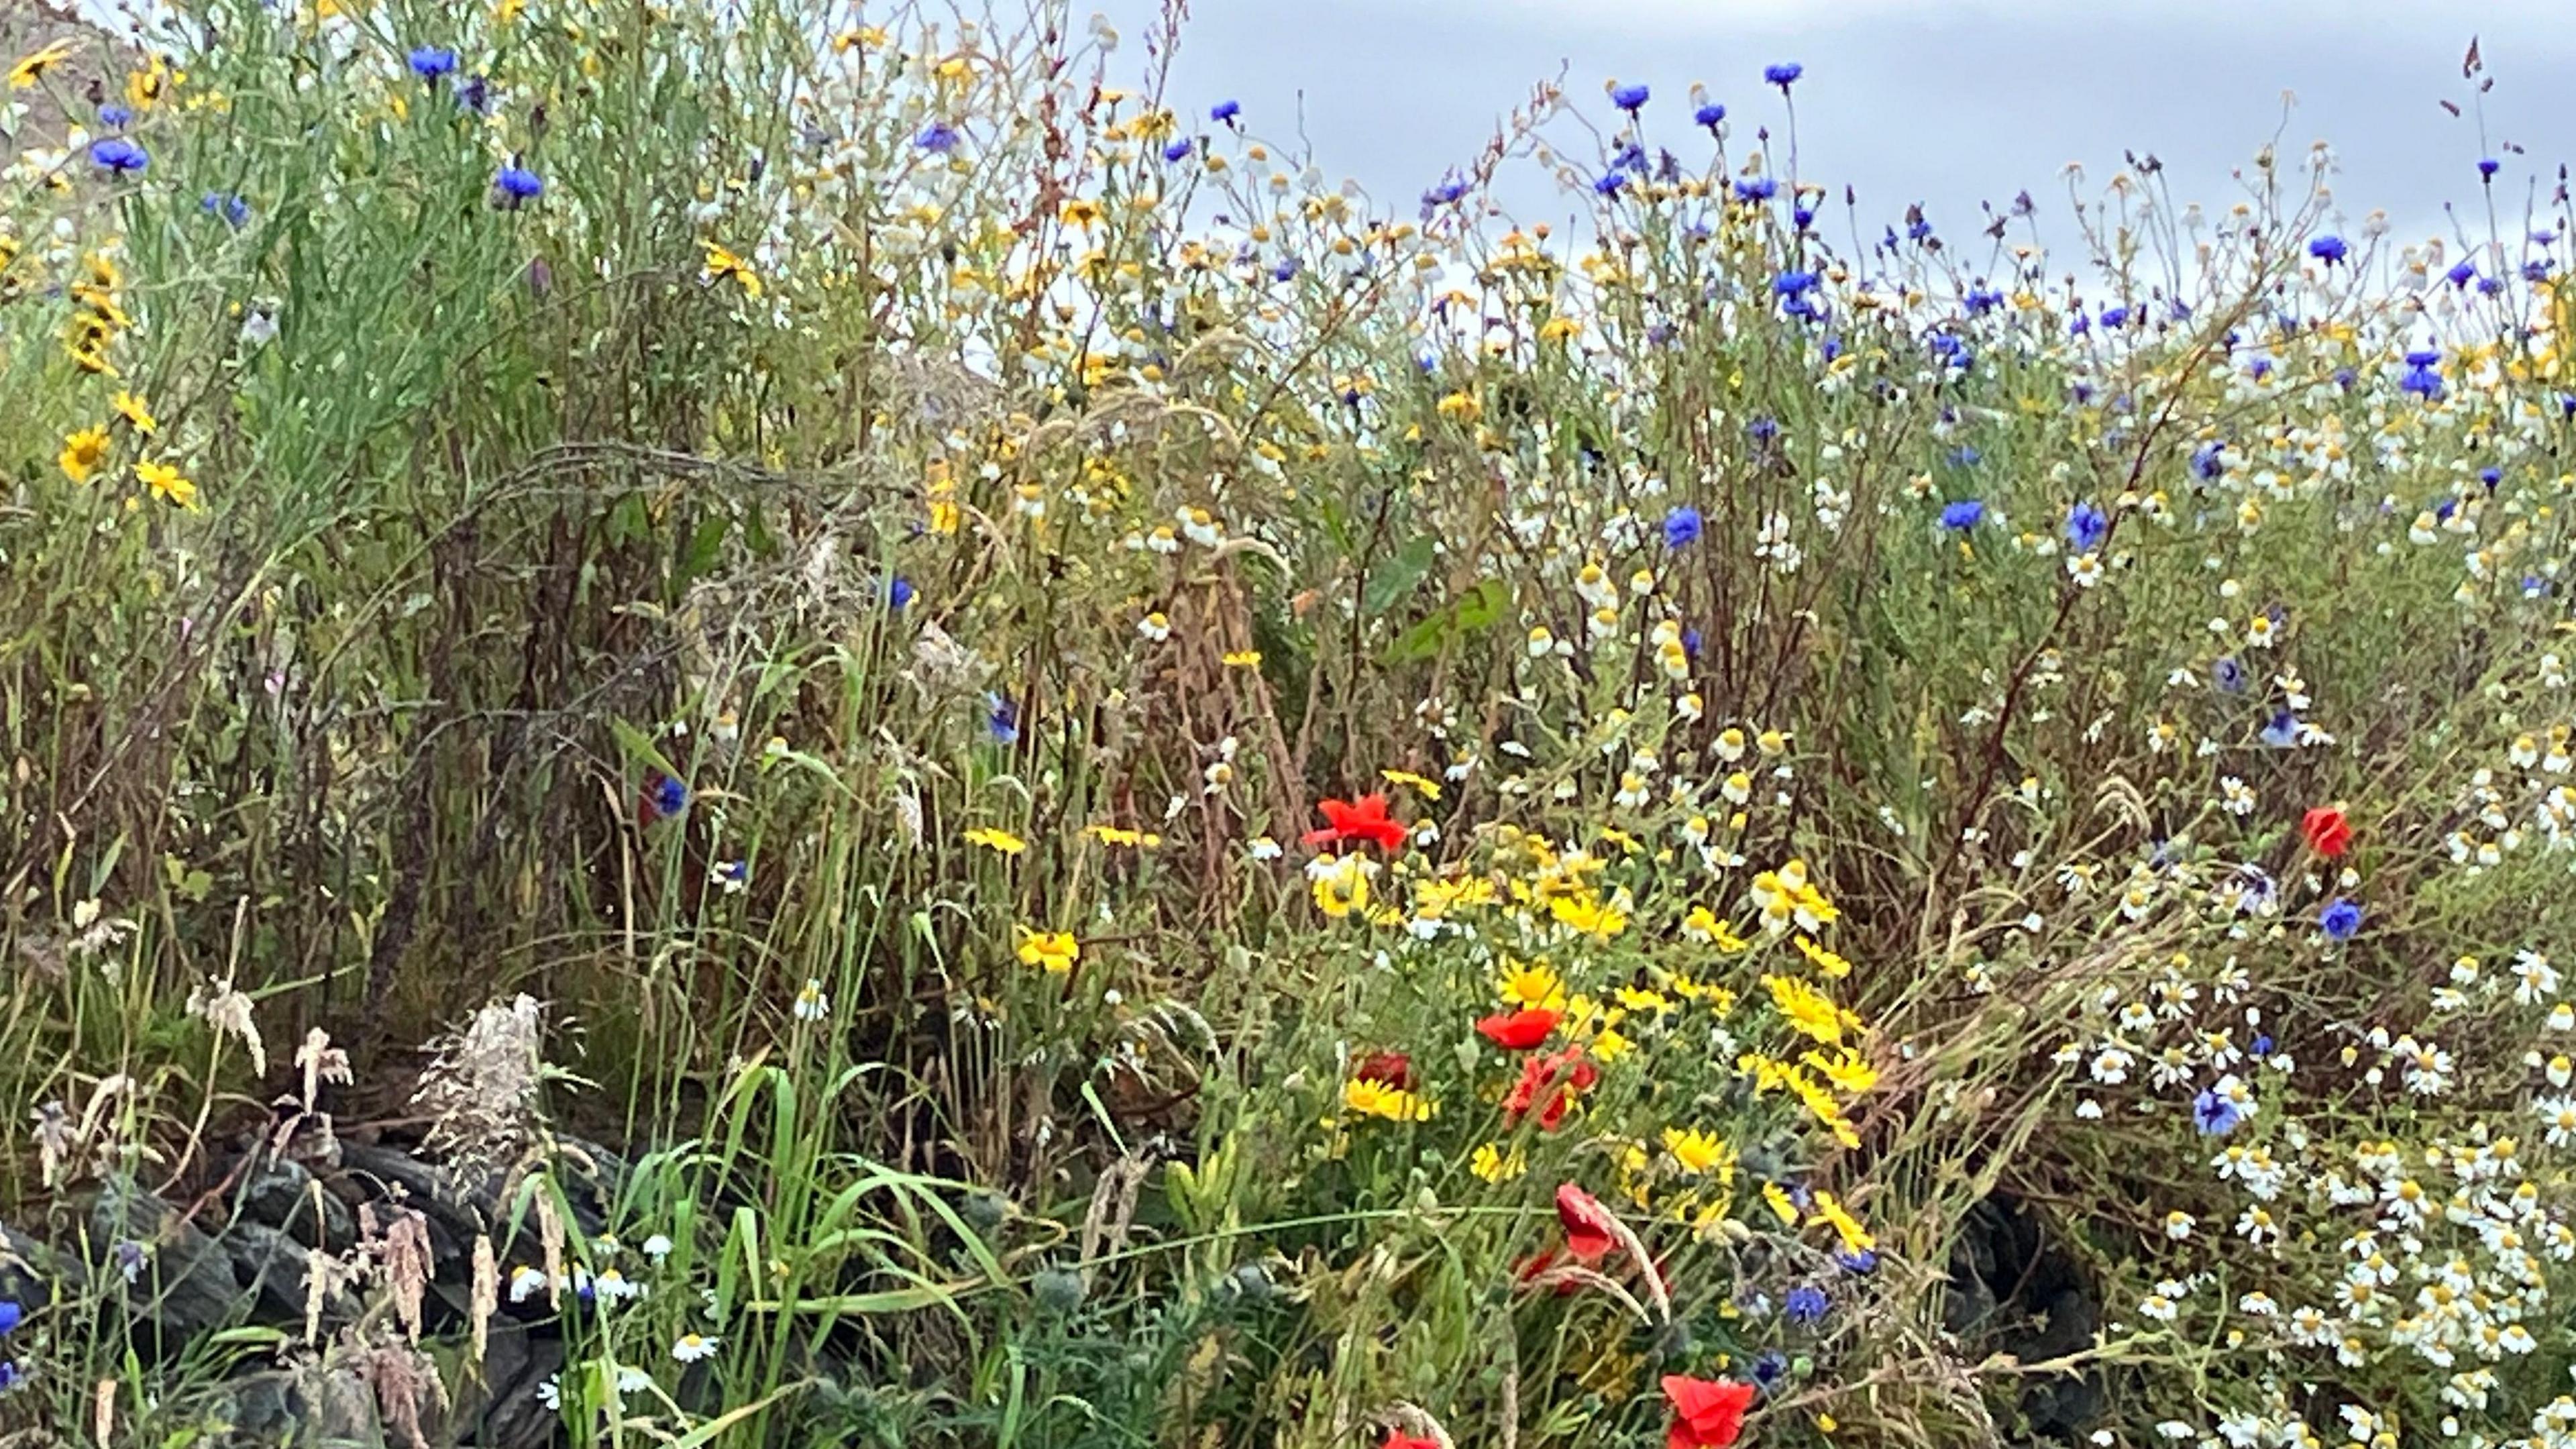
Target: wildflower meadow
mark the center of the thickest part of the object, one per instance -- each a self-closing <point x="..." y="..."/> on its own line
<point x="745" y="723"/>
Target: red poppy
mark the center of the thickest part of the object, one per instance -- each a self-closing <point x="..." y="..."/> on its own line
<point x="1550" y="1084"/>
<point x="1398" y="1439"/>
<point x="1707" y="1413"/>
<point x="2328" y="833"/>
<point x="1518" y="1031"/>
<point x="1590" y="1233"/>
<point x="1365" y="820"/>
<point x="1536" y="1266"/>
<point x="1387" y="1069"/>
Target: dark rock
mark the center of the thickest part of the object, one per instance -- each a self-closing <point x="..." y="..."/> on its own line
<point x="182" y="1281"/>
<point x="281" y="1193"/>
<point x="2014" y="1287"/>
<point x="30" y="1272"/>
<point x="502" y="1409"/>
<point x="455" y="1212"/>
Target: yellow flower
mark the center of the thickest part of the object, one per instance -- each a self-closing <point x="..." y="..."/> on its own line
<point x="1427" y="789"/>
<point x="1809" y="1011"/>
<point x="1856" y="1239"/>
<point x="1376" y="1099"/>
<point x="1637" y="1000"/>
<point x="1341" y="886"/>
<point x="82" y="453"/>
<point x="1461" y="407"/>
<point x="1778" y="1197"/>
<point x="722" y="264"/>
<point x="1050" y="951"/>
<point x="1608" y="1045"/>
<point x="1700" y="1153"/>
<point x="1702" y="924"/>
<point x="1589" y="914"/>
<point x="1532" y="988"/>
<point x="1827" y="963"/>
<point x="1493" y="1163"/>
<point x="166" y="484"/>
<point x="1119" y="835"/>
<point x="31" y="67"/>
<point x="992" y="839"/>
<point x="135" y="411"/>
<point x="1243" y="659"/>
<point x="1844" y="1069"/>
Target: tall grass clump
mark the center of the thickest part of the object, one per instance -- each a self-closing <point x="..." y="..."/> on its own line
<point x="849" y="728"/>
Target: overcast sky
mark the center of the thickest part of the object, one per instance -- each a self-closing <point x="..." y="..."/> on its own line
<point x="1947" y="102"/>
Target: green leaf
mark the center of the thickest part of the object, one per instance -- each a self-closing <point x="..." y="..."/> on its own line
<point x="638" y="749"/>
<point x="704" y="545"/>
<point x="1392" y="584"/>
<point x="1479" y="608"/>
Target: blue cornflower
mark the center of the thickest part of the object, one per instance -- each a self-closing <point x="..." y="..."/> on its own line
<point x="1762" y="430"/>
<point x="2215" y="1115"/>
<point x="1682" y="527"/>
<point x="1805" y="1304"/>
<point x="2228" y="675"/>
<point x="2115" y="317"/>
<point x="1446" y="193"/>
<point x="1630" y="98"/>
<point x="2423" y="381"/>
<point x="12" y="1375"/>
<point x="2536" y="270"/>
<point x="517" y="183"/>
<point x="733" y="875"/>
<point x="1691" y="642"/>
<point x="1791" y="284"/>
<point x="1286" y="271"/>
<point x="11" y="1315"/>
<point x="2209" y="460"/>
<point x="429" y="62"/>
<point x="1980" y="300"/>
<point x="938" y="138"/>
<point x="1610" y="183"/>
<point x="1963" y="515"/>
<point x="2488" y="166"/>
<point x="1709" y="115"/>
<point x="1768" y="1366"/>
<point x="115" y="117"/>
<point x="476" y="95"/>
<point x="1177" y="150"/>
<point x="1783" y="75"/>
<point x="2491" y="477"/>
<point x="2327" y="249"/>
<point x="2086" y="527"/>
<point x="2462" y="273"/>
<point x="2340" y="920"/>
<point x="118" y="155"/>
<point x="230" y="207"/>
<point x="1803" y="216"/>
<point x="669" y="796"/>
<point x="2490" y="286"/>
<point x="1860" y="1264"/>
<point x="2282" y="732"/>
<point x="1001" y="719"/>
<point x="1225" y="111"/>
<point x="1756" y="188"/>
<point x="2262" y="1046"/>
<point x="899" y="592"/>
